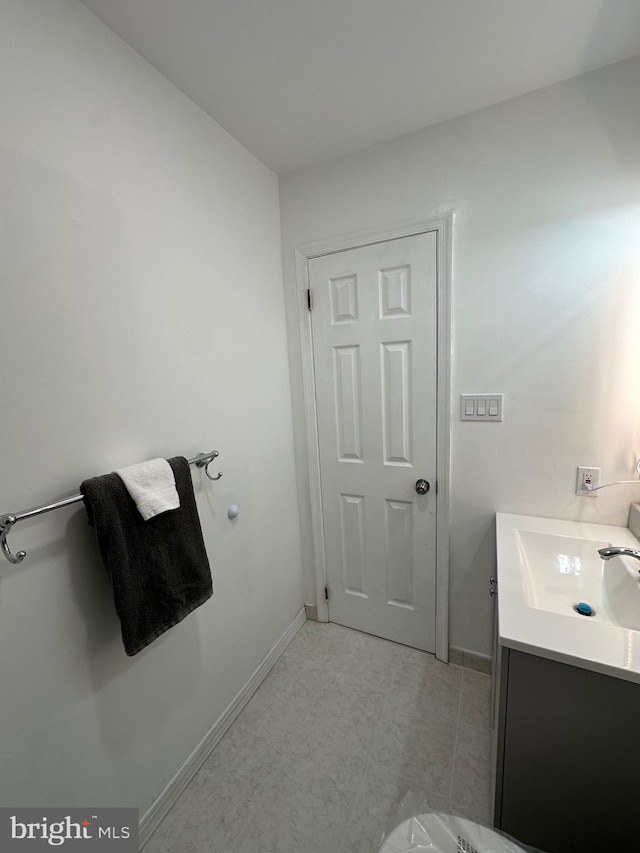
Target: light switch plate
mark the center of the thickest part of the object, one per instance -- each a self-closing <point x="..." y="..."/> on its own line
<point x="481" y="407"/>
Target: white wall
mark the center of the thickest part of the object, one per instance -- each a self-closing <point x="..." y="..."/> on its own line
<point x="141" y="314"/>
<point x="546" y="301"/>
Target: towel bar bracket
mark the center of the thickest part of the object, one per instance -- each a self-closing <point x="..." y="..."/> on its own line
<point x="202" y="460"/>
<point x="6" y="523"/>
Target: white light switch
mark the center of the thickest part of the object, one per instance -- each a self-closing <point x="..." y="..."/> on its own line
<point x="481" y="407"/>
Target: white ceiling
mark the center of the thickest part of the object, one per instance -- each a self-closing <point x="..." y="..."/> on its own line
<point x="300" y="81"/>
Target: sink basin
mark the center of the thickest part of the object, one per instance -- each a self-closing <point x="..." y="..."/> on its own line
<point x="621" y="585"/>
<point x="559" y="572"/>
<point x="548" y="566"/>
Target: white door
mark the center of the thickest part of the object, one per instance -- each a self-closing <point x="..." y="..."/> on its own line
<point x="374" y="349"/>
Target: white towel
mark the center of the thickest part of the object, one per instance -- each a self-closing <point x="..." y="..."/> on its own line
<point x="152" y="486"/>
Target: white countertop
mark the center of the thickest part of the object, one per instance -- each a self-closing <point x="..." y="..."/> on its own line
<point x="565" y="637"/>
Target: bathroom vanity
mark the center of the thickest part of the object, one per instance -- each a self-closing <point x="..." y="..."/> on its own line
<point x="566" y="703"/>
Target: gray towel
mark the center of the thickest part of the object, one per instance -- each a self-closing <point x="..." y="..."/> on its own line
<point x="158" y="568"/>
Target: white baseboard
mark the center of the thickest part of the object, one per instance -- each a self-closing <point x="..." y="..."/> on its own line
<point x="152" y="819"/>
<point x="312" y="612"/>
<point x="470" y="660"/>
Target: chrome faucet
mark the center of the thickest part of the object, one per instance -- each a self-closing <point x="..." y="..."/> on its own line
<point x="615" y="551"/>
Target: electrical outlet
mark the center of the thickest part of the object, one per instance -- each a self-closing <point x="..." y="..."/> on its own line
<point x="587" y="479"/>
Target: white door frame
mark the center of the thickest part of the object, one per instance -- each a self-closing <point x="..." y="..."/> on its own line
<point x="443" y="226"/>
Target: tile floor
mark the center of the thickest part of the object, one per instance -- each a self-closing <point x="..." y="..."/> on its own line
<point x="342" y="729"/>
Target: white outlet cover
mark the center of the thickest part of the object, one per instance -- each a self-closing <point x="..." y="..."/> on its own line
<point x="587" y="473"/>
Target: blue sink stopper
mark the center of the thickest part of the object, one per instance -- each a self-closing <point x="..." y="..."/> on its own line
<point x="584" y="609"/>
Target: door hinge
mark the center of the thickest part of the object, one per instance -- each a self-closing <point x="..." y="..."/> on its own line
<point x="309" y="304"/>
<point x="326" y="593"/>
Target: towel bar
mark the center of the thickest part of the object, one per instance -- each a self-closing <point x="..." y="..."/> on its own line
<point x="202" y="460"/>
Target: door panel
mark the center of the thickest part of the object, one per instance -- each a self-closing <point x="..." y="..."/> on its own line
<point x="374" y="345"/>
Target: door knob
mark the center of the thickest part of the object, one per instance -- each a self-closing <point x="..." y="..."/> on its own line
<point x="422" y="487"/>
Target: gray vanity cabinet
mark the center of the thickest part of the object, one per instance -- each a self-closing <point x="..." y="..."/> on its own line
<point x="566" y="756"/>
